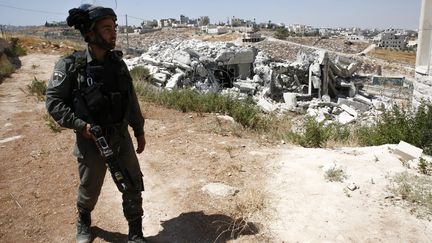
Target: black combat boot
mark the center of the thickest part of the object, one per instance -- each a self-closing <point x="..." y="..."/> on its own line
<point x="135" y="232"/>
<point x="83" y="228"/>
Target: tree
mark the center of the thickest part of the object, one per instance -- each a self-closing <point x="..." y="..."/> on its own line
<point x="281" y="33"/>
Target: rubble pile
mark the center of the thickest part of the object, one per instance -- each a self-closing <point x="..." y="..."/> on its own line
<point x="327" y="89"/>
<point x="341" y="45"/>
<point x="141" y="42"/>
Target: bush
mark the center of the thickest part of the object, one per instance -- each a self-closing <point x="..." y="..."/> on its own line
<point x="281" y="33"/>
<point x="37" y="88"/>
<point x="401" y="124"/>
<point x="6" y="67"/>
<point x="17" y="49"/>
<point x="314" y="134"/>
<point x="140" y="74"/>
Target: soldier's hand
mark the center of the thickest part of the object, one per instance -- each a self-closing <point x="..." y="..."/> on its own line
<point x="86" y="132"/>
<point x="141" y="143"/>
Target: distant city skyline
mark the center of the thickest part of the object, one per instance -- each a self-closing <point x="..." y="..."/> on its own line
<point x="382" y="14"/>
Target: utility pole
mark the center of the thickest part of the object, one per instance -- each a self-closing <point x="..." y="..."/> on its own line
<point x="127" y="34"/>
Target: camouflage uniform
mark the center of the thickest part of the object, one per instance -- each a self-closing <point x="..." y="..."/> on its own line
<point x="114" y="77"/>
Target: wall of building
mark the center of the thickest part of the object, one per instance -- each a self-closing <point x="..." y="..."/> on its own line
<point x="423" y="80"/>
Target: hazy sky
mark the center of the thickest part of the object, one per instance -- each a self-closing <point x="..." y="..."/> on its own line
<point x="318" y="13"/>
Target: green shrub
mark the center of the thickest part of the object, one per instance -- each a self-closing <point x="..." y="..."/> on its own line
<point x="314" y="134"/>
<point x="425" y="167"/>
<point x="37" y="88"/>
<point x="6" y="68"/>
<point x="17" y="49"/>
<point x="140" y="74"/>
<point x="185" y="100"/>
<point x="401" y="124"/>
<point x="281" y="33"/>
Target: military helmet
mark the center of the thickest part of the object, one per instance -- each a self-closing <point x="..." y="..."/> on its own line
<point x="85" y="16"/>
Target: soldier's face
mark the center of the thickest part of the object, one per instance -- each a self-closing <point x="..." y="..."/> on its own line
<point x="105" y="33"/>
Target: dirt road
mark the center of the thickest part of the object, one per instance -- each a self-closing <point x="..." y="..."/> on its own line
<point x="282" y="194"/>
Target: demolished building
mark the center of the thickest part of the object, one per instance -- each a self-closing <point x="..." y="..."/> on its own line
<point x="310" y="83"/>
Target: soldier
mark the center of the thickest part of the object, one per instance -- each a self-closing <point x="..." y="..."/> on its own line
<point x="99" y="77"/>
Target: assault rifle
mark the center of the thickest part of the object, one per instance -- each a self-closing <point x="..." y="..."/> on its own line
<point x="121" y="177"/>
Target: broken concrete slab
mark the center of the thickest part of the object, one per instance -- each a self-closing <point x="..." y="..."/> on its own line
<point x="356" y="105"/>
<point x="350" y="110"/>
<point x="173" y="81"/>
<point x="160" y="77"/>
<point x="345" y="118"/>
<point x="266" y="106"/>
<point x="242" y="56"/>
<point x="182" y="57"/>
<point x="362" y="99"/>
<point x="407" y="151"/>
<point x="290" y="100"/>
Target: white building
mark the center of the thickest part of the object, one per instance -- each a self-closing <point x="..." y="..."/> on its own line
<point x="392" y="39"/>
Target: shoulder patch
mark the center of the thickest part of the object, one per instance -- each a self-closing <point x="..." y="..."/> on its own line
<point x="57" y="78"/>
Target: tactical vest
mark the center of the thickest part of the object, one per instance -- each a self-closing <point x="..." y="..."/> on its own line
<point x="104" y="87"/>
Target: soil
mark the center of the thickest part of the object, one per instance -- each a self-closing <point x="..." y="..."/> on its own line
<point x="283" y="195"/>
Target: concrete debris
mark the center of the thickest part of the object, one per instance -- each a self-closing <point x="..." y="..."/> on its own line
<point x="266" y="106"/>
<point x="345" y="118"/>
<point x="352" y="186"/>
<point x="220" y="190"/>
<point x="312" y="82"/>
<point x="407" y="151"/>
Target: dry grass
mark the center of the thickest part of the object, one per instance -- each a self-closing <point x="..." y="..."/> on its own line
<point x="244" y="211"/>
<point x="408" y="57"/>
<point x="335" y="175"/>
<point x="415" y="191"/>
<point x="36" y="44"/>
<point x="223" y="37"/>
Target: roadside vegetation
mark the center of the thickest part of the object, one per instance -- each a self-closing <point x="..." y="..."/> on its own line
<point x="10" y="50"/>
<point x="37" y="88"/>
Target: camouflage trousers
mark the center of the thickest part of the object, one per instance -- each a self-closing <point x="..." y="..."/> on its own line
<point x="92" y="169"/>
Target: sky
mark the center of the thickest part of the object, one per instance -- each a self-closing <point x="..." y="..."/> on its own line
<point x="382" y="14"/>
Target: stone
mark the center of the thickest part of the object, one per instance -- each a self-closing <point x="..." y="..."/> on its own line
<point x="160" y="77"/>
<point x="356" y="105"/>
<point x="345" y="118"/>
<point x="220" y="190"/>
<point x="350" y="110"/>
<point x="226" y="118"/>
<point x="266" y="106"/>
<point x="173" y="81"/>
<point x="352" y="186"/>
<point x="246" y="87"/>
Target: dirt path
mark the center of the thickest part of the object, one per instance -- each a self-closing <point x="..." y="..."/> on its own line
<point x="282" y="190"/>
<point x="184" y="153"/>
